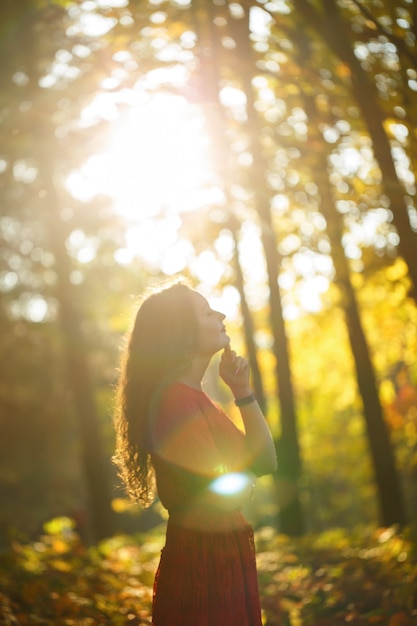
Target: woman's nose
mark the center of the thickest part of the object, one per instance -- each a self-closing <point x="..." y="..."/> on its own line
<point x="221" y="315"/>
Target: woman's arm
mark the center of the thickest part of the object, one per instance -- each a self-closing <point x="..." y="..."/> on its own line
<point x="234" y="370"/>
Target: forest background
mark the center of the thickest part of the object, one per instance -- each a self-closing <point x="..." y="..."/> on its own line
<point x="266" y="151"/>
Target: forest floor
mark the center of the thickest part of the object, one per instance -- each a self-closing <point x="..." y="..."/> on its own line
<point x="357" y="577"/>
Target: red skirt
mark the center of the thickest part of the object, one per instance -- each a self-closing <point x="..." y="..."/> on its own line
<point x="207" y="578"/>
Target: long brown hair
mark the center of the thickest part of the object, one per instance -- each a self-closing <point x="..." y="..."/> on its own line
<point x="160" y="346"/>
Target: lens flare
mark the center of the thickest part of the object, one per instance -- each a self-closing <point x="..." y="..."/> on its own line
<point x="230" y="484"/>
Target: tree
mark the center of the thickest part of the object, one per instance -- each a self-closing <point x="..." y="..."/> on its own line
<point x="280" y="157"/>
<point x="334" y="30"/>
<point x="213" y="56"/>
<point x="388" y="485"/>
<point x="28" y="52"/>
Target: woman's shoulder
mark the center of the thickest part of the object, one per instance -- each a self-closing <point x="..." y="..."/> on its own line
<point x="179" y="402"/>
<point x="178" y="392"/>
<point x="179" y="419"/>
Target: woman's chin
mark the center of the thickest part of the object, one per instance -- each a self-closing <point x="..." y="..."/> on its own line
<point x="226" y="341"/>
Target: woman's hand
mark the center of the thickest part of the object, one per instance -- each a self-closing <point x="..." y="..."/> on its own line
<point x="260" y="449"/>
<point x="234" y="371"/>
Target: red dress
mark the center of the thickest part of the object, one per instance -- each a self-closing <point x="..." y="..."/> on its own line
<point x="207" y="571"/>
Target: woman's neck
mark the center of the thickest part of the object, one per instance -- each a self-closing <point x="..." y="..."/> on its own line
<point x="194" y="374"/>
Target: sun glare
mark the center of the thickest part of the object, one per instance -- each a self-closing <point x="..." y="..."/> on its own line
<point x="156" y="166"/>
<point x="156" y="160"/>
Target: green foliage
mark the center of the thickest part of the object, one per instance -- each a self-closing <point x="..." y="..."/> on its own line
<point x="366" y="576"/>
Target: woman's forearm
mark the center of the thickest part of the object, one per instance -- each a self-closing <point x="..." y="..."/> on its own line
<point x="234" y="370"/>
<point x="259" y="443"/>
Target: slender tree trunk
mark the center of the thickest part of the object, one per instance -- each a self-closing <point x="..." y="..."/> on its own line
<point x="209" y="81"/>
<point x="382" y="454"/>
<point x="249" y="334"/>
<point x="95" y="471"/>
<point x="291" y="517"/>
<point x="391" y="505"/>
<point x="330" y="26"/>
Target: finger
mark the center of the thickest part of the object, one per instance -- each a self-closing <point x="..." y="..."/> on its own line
<point x="242" y="365"/>
<point x="229" y="356"/>
<point x="239" y="363"/>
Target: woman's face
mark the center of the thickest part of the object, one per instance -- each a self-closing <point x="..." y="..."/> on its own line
<point x="212" y="335"/>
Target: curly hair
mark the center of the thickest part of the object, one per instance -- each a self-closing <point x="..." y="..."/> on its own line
<point x="160" y="346"/>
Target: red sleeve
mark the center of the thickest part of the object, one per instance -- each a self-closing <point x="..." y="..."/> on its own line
<point x="181" y="434"/>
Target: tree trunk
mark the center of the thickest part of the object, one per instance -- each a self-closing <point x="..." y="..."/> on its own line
<point x="331" y="27"/>
<point x="249" y="334"/>
<point x="209" y="77"/>
<point x="95" y="469"/>
<point x="391" y="505"/>
<point x="291" y="518"/>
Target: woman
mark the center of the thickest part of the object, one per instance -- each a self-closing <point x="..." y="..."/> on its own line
<point x="171" y="436"/>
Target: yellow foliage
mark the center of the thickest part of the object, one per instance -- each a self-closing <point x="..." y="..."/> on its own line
<point x="397" y="270"/>
<point x="59" y="546"/>
<point x="387" y="393"/>
<point x="411" y="433"/>
<point x="61" y="566"/>
<point x="357" y="280"/>
<point x="394" y="418"/>
<point x="58" y="525"/>
<point x="343" y="70"/>
<point x="120" y="505"/>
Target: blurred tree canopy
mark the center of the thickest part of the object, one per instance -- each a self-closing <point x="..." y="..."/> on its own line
<point x="304" y="224"/>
